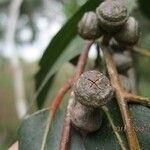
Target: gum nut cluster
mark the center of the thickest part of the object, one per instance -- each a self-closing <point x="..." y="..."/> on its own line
<point x="110" y="18"/>
<point x="93" y="89"/>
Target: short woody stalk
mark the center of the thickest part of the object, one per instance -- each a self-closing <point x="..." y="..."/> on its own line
<point x="120" y="96"/>
<point x="131" y="98"/>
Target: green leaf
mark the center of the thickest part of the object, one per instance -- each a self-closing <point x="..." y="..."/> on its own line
<point x="56" y="48"/>
<point x="140" y="116"/>
<point x="32" y="129"/>
<point x="73" y="49"/>
<point x="43" y="94"/>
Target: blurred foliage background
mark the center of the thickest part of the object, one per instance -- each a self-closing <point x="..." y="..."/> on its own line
<point x="38" y="22"/>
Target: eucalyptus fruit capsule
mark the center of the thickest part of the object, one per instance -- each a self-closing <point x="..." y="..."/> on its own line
<point x="129" y="34"/>
<point x="112" y="15"/>
<point x="92" y="90"/>
<point x="88" y="27"/>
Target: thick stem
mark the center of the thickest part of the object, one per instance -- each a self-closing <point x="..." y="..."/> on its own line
<point x="120" y="96"/>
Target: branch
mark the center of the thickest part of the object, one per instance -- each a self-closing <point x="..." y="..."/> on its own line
<point x="66" y="128"/>
<point x="131" y="98"/>
<point x="120" y="96"/>
<point x="142" y="51"/>
<point x="68" y="84"/>
<point x="106" y="110"/>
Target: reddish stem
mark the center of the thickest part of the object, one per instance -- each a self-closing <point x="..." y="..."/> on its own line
<point x="66" y="128"/>
<point x="55" y="103"/>
<point x="80" y="68"/>
<point x="68" y="84"/>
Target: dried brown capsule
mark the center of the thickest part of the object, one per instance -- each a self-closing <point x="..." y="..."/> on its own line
<point x="93" y="89"/>
<point x="86" y="119"/>
<point x="112" y="15"/>
<point x="88" y="27"/>
<point x="129" y="34"/>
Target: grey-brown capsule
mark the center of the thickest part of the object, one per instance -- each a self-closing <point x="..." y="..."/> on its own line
<point x="85" y="119"/>
<point x="112" y="15"/>
<point x="129" y="34"/>
<point x="93" y="89"/>
<point x="88" y="27"/>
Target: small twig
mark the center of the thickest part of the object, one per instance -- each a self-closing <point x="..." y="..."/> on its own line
<point x="120" y="96"/>
<point x="131" y="98"/>
<point x="68" y="84"/>
<point x="142" y="51"/>
<point x="110" y="119"/>
<point x="66" y="128"/>
<point x="83" y="59"/>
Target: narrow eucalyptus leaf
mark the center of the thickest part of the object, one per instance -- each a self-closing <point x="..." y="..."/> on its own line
<point x="56" y="48"/>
